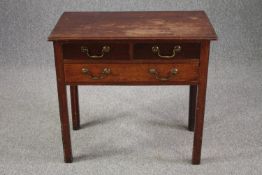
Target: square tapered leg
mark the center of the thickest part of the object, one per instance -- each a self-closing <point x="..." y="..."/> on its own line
<point x="192" y="107"/>
<point x="75" y="107"/>
<point x="201" y="99"/>
<point x="62" y="99"/>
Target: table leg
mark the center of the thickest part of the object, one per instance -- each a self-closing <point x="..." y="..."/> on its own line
<point x="75" y="107"/>
<point x="62" y="99"/>
<point x="192" y="107"/>
<point x="201" y="98"/>
<point x="65" y="127"/>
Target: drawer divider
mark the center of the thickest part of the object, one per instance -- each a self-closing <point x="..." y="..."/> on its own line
<point x="131" y="50"/>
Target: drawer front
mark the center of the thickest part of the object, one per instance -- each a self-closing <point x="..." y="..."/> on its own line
<point x="165" y="51"/>
<point x="180" y="73"/>
<point x="96" y="51"/>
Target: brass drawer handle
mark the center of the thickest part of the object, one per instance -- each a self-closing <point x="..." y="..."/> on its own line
<point x="103" y="74"/>
<point x="156" y="50"/>
<point x="170" y="75"/>
<point x="105" y="49"/>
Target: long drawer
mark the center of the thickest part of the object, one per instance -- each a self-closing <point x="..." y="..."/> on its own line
<point x="152" y="73"/>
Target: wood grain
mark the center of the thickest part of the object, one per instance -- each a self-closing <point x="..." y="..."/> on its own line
<point x="131" y="73"/>
<point x="62" y="99"/>
<point x="181" y="25"/>
<point x="201" y="100"/>
<point x="192" y="107"/>
<point x="117" y="50"/>
<point x="188" y="50"/>
<point x="75" y="107"/>
<point x="131" y="36"/>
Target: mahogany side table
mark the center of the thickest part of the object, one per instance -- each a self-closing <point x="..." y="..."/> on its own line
<point x="132" y="48"/>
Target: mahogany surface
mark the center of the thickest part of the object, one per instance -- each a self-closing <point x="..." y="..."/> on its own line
<point x="75" y="107"/>
<point x="188" y="50"/>
<point x="131" y="73"/>
<point x="181" y="25"/>
<point x="131" y="36"/>
<point x="117" y="50"/>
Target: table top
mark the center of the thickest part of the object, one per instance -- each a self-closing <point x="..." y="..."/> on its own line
<point x="174" y="25"/>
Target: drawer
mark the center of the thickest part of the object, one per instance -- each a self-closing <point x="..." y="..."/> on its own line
<point x="180" y="73"/>
<point x="96" y="51"/>
<point x="166" y="50"/>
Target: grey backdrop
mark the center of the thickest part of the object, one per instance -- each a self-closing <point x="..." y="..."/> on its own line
<point x="130" y="130"/>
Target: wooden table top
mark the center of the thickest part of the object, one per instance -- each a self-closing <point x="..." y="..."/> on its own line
<point x="176" y="25"/>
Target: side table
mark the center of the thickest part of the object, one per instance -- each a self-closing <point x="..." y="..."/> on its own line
<point x="132" y="48"/>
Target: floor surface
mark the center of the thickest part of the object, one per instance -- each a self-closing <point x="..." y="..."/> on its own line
<point x="127" y="130"/>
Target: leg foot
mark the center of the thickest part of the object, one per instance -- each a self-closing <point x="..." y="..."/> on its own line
<point x="68" y="160"/>
<point x="195" y="162"/>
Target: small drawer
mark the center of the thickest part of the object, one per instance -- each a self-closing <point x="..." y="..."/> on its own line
<point x="180" y="73"/>
<point x="96" y="51"/>
<point x="165" y="51"/>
